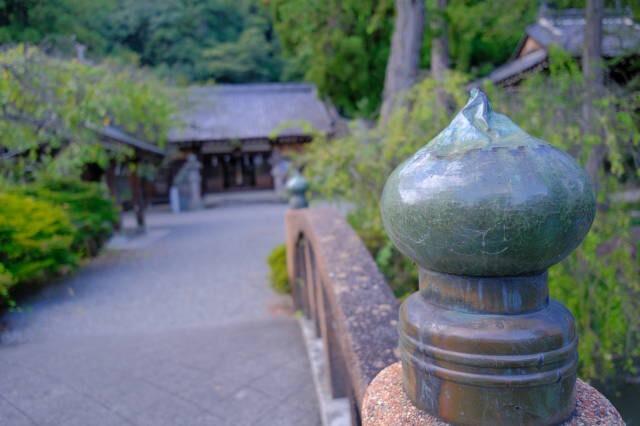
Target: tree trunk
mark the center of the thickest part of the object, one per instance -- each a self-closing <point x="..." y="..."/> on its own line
<point x="593" y="72"/>
<point x="137" y="197"/>
<point x="439" y="42"/>
<point x="592" y="47"/>
<point x="404" y="59"/>
<point x="440" y="52"/>
<point x="110" y="178"/>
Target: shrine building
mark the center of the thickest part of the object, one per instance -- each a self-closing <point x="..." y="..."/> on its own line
<point x="242" y="134"/>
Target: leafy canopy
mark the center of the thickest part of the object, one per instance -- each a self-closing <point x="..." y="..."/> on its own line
<point x="52" y="107"/>
<point x="35" y="21"/>
<point x="187" y="40"/>
<point x="221" y="40"/>
<point x="342" y="45"/>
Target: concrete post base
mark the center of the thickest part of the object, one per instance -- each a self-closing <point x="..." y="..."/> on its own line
<point x="385" y="403"/>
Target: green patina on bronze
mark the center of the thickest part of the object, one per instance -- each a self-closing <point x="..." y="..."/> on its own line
<point x="485" y="209"/>
<point x="484" y="198"/>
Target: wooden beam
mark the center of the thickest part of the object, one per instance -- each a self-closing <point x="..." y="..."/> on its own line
<point x="137" y="196"/>
<point x="110" y="178"/>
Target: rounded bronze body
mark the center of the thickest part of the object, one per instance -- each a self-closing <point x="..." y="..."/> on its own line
<point x="485" y="209"/>
<point x="297" y="187"/>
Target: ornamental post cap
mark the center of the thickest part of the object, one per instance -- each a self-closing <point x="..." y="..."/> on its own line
<point x="484" y="198"/>
<point x="297" y="184"/>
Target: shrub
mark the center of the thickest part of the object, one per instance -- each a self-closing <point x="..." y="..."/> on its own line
<point x="36" y="239"/>
<point x="88" y="205"/>
<point x="278" y="274"/>
<point x="6" y="281"/>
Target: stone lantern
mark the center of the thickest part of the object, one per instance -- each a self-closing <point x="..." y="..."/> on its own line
<point x="485" y="209"/>
<point x="187" y="184"/>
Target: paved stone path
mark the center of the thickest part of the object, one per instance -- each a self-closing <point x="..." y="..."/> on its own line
<point x="178" y="327"/>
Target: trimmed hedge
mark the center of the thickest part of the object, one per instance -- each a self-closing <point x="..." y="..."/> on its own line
<point x="46" y="227"/>
<point x="36" y="239"/>
<point x="88" y="205"/>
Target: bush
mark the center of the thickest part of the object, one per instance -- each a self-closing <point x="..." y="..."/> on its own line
<point x="88" y="205"/>
<point x="36" y="239"/>
<point x="6" y="281"/>
<point x="278" y="274"/>
<point x="47" y="226"/>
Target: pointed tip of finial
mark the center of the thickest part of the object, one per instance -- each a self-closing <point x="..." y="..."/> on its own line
<point x="477" y="109"/>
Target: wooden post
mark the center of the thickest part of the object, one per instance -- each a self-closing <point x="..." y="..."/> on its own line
<point x="137" y="196"/>
<point x="592" y="68"/>
<point x="110" y="178"/>
<point x="440" y="53"/>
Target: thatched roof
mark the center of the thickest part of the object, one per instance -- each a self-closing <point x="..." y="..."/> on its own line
<point x="250" y="111"/>
<point x="565" y="29"/>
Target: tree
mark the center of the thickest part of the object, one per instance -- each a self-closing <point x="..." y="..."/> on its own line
<point x="34" y="21"/>
<point x="592" y="70"/>
<point x="483" y="34"/>
<point x="404" y="59"/>
<point x="439" y="41"/>
<point x="340" y="45"/>
<point x="343" y="46"/>
<point x="221" y="40"/>
<point x="440" y="50"/>
<point x="50" y="109"/>
<point x="254" y="56"/>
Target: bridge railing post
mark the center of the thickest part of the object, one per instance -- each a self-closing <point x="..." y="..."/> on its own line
<point x="484" y="210"/>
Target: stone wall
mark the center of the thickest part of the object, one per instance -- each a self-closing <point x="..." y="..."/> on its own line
<point x="337" y="284"/>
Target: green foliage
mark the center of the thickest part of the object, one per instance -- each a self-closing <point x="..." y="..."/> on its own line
<point x="36" y="239"/>
<point x="34" y="21"/>
<point x="47" y="226"/>
<point x="222" y="40"/>
<point x="483" y="35"/>
<point x="599" y="284"/>
<point x="253" y="56"/>
<point x="186" y="40"/>
<point x="600" y="281"/>
<point x="278" y="274"/>
<point x="51" y="109"/>
<point x="343" y="46"/>
<point x="6" y="282"/>
<point x="88" y="205"/>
